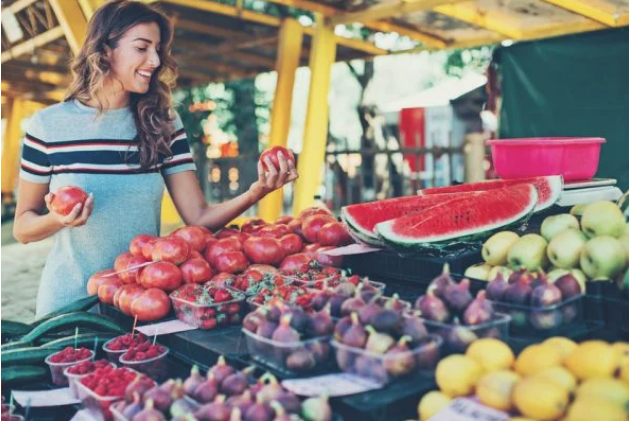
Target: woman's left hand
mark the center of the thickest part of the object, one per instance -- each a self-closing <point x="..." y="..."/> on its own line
<point x="272" y="179"/>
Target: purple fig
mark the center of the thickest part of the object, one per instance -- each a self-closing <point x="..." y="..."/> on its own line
<point x="236" y="383"/>
<point x="517" y="293"/>
<point x="266" y="329"/>
<point x="521" y="275"/>
<point x="428" y="357"/>
<point x="459" y="338"/>
<point x="441" y="282"/>
<point x="298" y="319"/>
<point x="317" y="409"/>
<point x="569" y="286"/>
<point x="378" y="343"/>
<point x="275" y="311"/>
<point x="271" y="389"/>
<point x="341" y="327"/>
<point x="321" y="324"/>
<point x="289" y="402"/>
<point x="130" y="410"/>
<point x="149" y="413"/>
<point x="479" y="311"/>
<point x="301" y="361"/>
<point x="458" y="297"/>
<point x="280" y="412"/>
<point x="336" y="302"/>
<point x="206" y="391"/>
<point x="320" y="299"/>
<point x="252" y="321"/>
<point x="367" y="313"/>
<point x="387" y="321"/>
<point x="236" y="415"/>
<point x="220" y="370"/>
<point x="194" y="379"/>
<point x="545" y="295"/>
<point x="395" y="304"/>
<point x="413" y="327"/>
<point x="370" y="367"/>
<point x="160" y="398"/>
<point x="355" y="336"/>
<point x="139" y="385"/>
<point x="367" y="292"/>
<point x="183" y="406"/>
<point x="242" y="402"/>
<point x="215" y="411"/>
<point x="259" y="411"/>
<point x="398" y="361"/>
<point x="284" y="332"/>
<point x="432" y="308"/>
<point x="496" y="288"/>
<point x="352" y="305"/>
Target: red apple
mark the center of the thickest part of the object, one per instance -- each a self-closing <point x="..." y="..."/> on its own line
<point x="138" y="243"/>
<point x="196" y="271"/>
<point x="271" y="153"/>
<point x="194" y="235"/>
<point x="313" y="224"/>
<point x="97" y="279"/>
<point x="291" y="243"/>
<point x="66" y="198"/>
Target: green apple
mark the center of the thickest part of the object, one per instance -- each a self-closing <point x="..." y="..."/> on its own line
<point x="553" y="225"/>
<point x="577" y="210"/>
<point x="496" y="248"/>
<point x="603" y="218"/>
<point x="529" y="252"/>
<point x="564" y="250"/>
<point x="479" y="271"/>
<point x="603" y="257"/>
<point x="503" y="270"/>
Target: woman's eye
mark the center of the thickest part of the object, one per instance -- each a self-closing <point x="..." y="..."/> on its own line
<point x="140" y="49"/>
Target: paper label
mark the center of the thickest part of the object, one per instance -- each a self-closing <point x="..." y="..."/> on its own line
<point x="164" y="328"/>
<point x="43" y="398"/>
<point x="351" y="249"/>
<point x="337" y="384"/>
<point x="465" y="409"/>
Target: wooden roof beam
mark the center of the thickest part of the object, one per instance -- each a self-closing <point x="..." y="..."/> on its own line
<point x="205" y="29"/>
<point x="31" y="44"/>
<point x="72" y="20"/>
<point x="599" y="11"/>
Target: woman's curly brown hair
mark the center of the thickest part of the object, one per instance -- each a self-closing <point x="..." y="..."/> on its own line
<point x="152" y="111"/>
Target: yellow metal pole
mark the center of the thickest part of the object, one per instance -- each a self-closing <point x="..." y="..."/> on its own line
<point x="288" y="53"/>
<point x="11" y="144"/>
<point x="72" y="19"/>
<point x="322" y="55"/>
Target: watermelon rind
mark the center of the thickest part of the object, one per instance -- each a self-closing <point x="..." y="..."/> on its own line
<point x="468" y="235"/>
<point x="359" y="235"/>
<point x="552" y="183"/>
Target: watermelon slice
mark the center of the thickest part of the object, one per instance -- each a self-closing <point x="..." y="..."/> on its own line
<point x="548" y="188"/>
<point x="362" y="218"/>
<point x="459" y="221"/>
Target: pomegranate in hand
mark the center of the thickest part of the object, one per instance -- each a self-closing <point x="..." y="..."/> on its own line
<point x="66" y="198"/>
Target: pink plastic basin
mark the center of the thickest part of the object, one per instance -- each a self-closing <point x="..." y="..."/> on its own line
<point x="576" y="158"/>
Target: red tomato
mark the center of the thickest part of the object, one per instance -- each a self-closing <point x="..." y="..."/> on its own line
<point x="196" y="271"/>
<point x="333" y="234"/>
<point x="313" y="224"/>
<point x="294" y="261"/>
<point x="219" y="247"/>
<point x="223" y="279"/>
<point x="121" y="261"/>
<point x="227" y="232"/>
<point x="194" y="235"/>
<point x="291" y="243"/>
<point x="66" y="198"/>
<point x="130" y="276"/>
<point x="97" y="279"/>
<point x="264" y="250"/>
<point x="284" y="219"/>
<point x="263" y="269"/>
<point x="313" y="211"/>
<point x="162" y="275"/>
<point x="327" y="260"/>
<point x="135" y="247"/>
<point x="311" y="249"/>
<point x="152" y="304"/>
<point x="174" y="250"/>
<point x="232" y="261"/>
<point x="272" y="154"/>
<point x="107" y="290"/>
<point x="252" y="225"/>
<point x="147" y="249"/>
<point x="126" y="294"/>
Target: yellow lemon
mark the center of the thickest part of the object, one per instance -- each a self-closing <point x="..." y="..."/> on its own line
<point x="624" y="373"/>
<point x="492" y="354"/>
<point x="536" y="358"/>
<point x="431" y="404"/>
<point x="559" y="376"/>
<point x="457" y="375"/>
<point x="592" y="359"/>
<point x="563" y="345"/>
<point x="591" y="409"/>
<point x="611" y="390"/>
<point x="540" y="399"/>
<point x="494" y="389"/>
<point x="622" y="353"/>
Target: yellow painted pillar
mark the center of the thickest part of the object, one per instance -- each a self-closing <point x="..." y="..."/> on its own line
<point x="11" y="144"/>
<point x="289" y="52"/>
<point x="322" y="55"/>
<point x="72" y="20"/>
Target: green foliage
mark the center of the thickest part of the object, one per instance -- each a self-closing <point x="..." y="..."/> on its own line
<point x="460" y="61"/>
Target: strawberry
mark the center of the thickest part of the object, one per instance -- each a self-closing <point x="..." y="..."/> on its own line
<point x="222" y="296"/>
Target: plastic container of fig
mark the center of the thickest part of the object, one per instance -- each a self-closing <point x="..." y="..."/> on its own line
<point x="156" y="367"/>
<point x="291" y="359"/>
<point x="116" y="408"/>
<point x="527" y="320"/>
<point x="57" y="369"/>
<point x="457" y="337"/>
<point x="384" y="368"/>
<point x="380" y="286"/>
<point x="74" y="379"/>
<point x="210" y="316"/>
<point x="98" y="406"/>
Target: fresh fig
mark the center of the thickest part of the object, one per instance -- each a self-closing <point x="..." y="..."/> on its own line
<point x="160" y="398"/>
<point x="252" y="321"/>
<point x="441" y="282"/>
<point x="183" y="406"/>
<point x="546" y="320"/>
<point x="236" y="415"/>
<point x="298" y="319"/>
<point x="284" y="332"/>
<point x="215" y="411"/>
<point x="545" y="295"/>
<point x="496" y="288"/>
<point x="271" y="390"/>
<point x="194" y="379"/>
<point x="370" y="367"/>
<point x="521" y="276"/>
<point x="139" y="385"/>
<point x="341" y="327"/>
<point x="432" y="308"/>
<point x="459" y="338"/>
<point x="387" y="321"/>
<point x="352" y="305"/>
<point x="367" y="313"/>
<point x="259" y="411"/>
<point x="398" y="361"/>
<point x="206" y="392"/>
<point x="336" y="303"/>
<point x="367" y="291"/>
<point x="236" y="383"/>
<point x="428" y="357"/>
<point x="320" y="299"/>
<point x="275" y="311"/>
<point x="395" y="304"/>
<point x="479" y="311"/>
<point x="289" y="402"/>
<point x="220" y="370"/>
<point x="130" y="410"/>
<point x="517" y="293"/>
<point x="301" y="361"/>
<point x="378" y="343"/>
<point x="458" y="296"/>
<point x="413" y="327"/>
<point x="149" y="413"/>
<point x="316" y="409"/>
<point x="280" y="412"/>
<point x="321" y="324"/>
<point x="355" y="336"/>
<point x="569" y="286"/>
<point x="242" y="402"/>
<point x="266" y="329"/>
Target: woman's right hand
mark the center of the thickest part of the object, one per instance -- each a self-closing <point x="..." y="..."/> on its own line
<point x="77" y="217"/>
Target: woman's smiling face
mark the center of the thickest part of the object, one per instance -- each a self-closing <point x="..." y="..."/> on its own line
<point x="136" y="57"/>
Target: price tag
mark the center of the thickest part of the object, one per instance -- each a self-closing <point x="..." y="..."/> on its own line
<point x="337" y="384"/>
<point x="43" y="398"/>
<point x="164" y="328"/>
<point x="465" y="409"/>
<point x="351" y="249"/>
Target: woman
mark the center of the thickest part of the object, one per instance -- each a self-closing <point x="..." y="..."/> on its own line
<point x="117" y="137"/>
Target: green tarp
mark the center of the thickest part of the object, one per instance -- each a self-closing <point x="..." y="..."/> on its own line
<point x="571" y="86"/>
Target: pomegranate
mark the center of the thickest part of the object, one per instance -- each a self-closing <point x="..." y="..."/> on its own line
<point x="271" y="153"/>
<point x="291" y="243"/>
<point x="66" y="198"/>
<point x="252" y="225"/>
<point x="284" y="219"/>
<point x="227" y="232"/>
<point x="107" y="290"/>
<point x="138" y="243"/>
<point x="126" y="294"/>
<point x="174" y="250"/>
<point x="311" y="249"/>
<point x="147" y="249"/>
<point x="162" y="275"/>
<point x="121" y="261"/>
<point x="313" y="224"/>
<point x="273" y="231"/>
<point x="97" y="279"/>
<point x="221" y="246"/>
<point x="152" y="304"/>
<point x="193" y="235"/>
<point x="294" y="262"/>
<point x="196" y="271"/>
<point x="264" y="250"/>
<point x="333" y="234"/>
<point x="313" y="211"/>
<point x="130" y="276"/>
<point x="231" y="262"/>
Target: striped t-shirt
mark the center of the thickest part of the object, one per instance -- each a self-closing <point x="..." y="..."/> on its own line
<point x="69" y="144"/>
